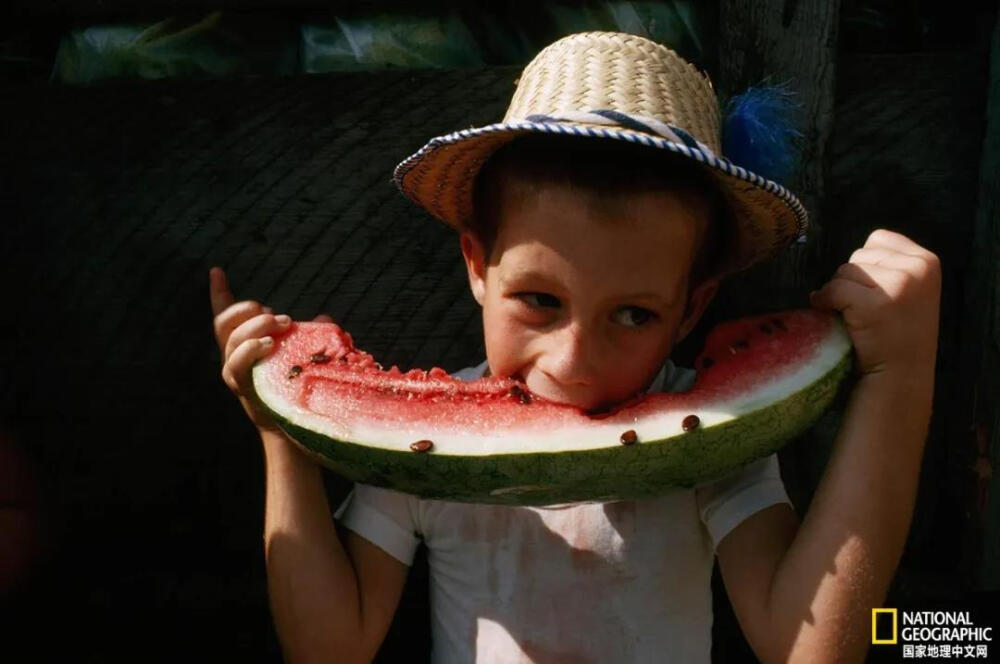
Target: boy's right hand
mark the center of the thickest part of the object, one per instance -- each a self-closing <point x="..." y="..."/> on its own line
<point x="244" y="331"/>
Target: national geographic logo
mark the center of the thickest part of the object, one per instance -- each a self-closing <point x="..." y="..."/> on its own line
<point x="931" y="634"/>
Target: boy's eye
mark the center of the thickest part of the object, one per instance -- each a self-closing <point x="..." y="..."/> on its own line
<point x="540" y="300"/>
<point x="633" y="316"/>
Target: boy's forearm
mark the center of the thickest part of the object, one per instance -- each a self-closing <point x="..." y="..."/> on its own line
<point x="311" y="581"/>
<point x="845" y="553"/>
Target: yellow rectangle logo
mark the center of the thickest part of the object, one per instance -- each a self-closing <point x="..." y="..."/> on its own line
<point x="875" y="638"/>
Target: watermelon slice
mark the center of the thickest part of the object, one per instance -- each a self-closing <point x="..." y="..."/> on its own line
<point x="761" y="381"/>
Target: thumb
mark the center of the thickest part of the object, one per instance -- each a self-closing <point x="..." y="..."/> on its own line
<point x="819" y="300"/>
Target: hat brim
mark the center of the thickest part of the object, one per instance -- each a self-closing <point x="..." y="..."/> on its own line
<point x="440" y="178"/>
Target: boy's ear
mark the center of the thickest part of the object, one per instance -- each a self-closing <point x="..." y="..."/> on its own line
<point x="475" y="263"/>
<point x="698" y="301"/>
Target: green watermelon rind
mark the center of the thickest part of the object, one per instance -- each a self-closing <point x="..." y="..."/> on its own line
<point x="643" y="470"/>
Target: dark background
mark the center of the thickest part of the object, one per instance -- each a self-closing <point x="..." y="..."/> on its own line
<point x="130" y="479"/>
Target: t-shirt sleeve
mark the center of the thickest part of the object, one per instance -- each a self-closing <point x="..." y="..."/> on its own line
<point x="384" y="517"/>
<point x="725" y="503"/>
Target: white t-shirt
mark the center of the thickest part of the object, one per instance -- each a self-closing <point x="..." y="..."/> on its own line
<point x="625" y="581"/>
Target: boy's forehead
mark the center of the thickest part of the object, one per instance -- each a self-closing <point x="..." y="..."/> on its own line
<point x="640" y="224"/>
<point x="610" y="252"/>
<point x="669" y="205"/>
<point x="604" y="265"/>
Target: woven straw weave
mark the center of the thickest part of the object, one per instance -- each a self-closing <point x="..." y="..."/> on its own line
<point x="620" y="72"/>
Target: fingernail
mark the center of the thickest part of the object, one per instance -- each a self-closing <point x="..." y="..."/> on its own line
<point x="283" y="319"/>
<point x="267" y="341"/>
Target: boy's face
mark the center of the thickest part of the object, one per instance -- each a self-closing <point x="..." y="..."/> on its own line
<point x="583" y="299"/>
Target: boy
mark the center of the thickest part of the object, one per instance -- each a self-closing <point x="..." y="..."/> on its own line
<point x="591" y="256"/>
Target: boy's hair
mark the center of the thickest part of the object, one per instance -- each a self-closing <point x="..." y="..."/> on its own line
<point x="605" y="169"/>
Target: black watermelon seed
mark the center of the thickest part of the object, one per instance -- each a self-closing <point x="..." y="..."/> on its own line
<point x="707" y="363"/>
<point x="319" y="358"/>
<point x="629" y="437"/>
<point x="778" y="323"/>
<point x="421" y="445"/>
<point x="690" y="422"/>
<point x="766" y="329"/>
<point x="521" y="395"/>
<point x="294" y="371"/>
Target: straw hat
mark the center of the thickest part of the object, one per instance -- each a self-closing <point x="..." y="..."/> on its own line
<point x="611" y="86"/>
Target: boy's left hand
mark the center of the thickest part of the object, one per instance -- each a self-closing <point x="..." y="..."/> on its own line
<point x="888" y="293"/>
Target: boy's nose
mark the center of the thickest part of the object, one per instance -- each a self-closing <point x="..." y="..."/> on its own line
<point x="570" y="356"/>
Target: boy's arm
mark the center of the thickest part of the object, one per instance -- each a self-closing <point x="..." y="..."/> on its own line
<point x="332" y="600"/>
<point x="805" y="593"/>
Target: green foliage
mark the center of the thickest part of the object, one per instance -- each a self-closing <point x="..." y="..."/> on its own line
<point x="213" y="46"/>
<point x="220" y="44"/>
<point x="388" y="40"/>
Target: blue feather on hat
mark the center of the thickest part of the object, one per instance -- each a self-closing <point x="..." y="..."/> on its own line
<point x="760" y="131"/>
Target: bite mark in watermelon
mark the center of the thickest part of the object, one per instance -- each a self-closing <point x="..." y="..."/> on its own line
<point x="761" y="381"/>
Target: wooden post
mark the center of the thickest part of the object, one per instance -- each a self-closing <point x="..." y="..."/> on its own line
<point x="982" y="319"/>
<point x="786" y="41"/>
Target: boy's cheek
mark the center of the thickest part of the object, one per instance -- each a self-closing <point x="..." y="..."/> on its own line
<point x="506" y="343"/>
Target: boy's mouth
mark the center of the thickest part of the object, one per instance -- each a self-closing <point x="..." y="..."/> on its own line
<point x="599" y="411"/>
